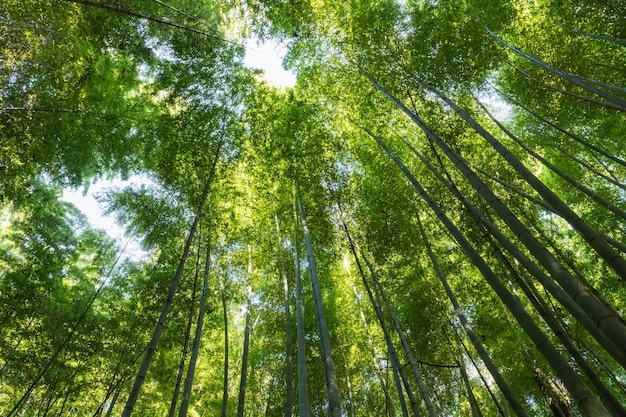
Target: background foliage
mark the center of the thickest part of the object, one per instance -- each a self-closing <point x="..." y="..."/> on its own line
<point x="144" y="87"/>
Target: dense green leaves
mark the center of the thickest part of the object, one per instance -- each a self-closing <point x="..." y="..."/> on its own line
<point x="390" y="96"/>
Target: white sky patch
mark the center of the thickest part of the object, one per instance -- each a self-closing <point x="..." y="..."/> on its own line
<point x="497" y="106"/>
<point x="88" y="204"/>
<point x="268" y="56"/>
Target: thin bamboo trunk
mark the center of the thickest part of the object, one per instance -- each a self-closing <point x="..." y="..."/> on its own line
<point x="395" y="360"/>
<point x="558" y="328"/>
<point x="303" y="395"/>
<point x="615" y="243"/>
<point x="395" y="368"/>
<point x="332" y="389"/>
<point x="181" y="12"/>
<point x="613" y="259"/>
<point x="191" y="369"/>
<point x="604" y="94"/>
<point x="507" y="393"/>
<point x="598" y="36"/>
<point x="407" y="349"/>
<point x="605" y="366"/>
<point x="468" y="387"/>
<point x="70" y="334"/>
<point x="469" y="330"/>
<point x="114" y="382"/>
<point x="114" y="390"/>
<point x="608" y="86"/>
<point x="127" y="12"/>
<point x="577" y="185"/>
<point x="608" y="399"/>
<point x="559" y="406"/>
<point x="370" y="343"/>
<point x="610" y="324"/>
<point x="348" y="383"/>
<point x="114" y="401"/>
<point x="570" y="263"/>
<point x="224" y="411"/>
<point x="183" y="356"/>
<point x="553" y="125"/>
<point x="288" y="337"/>
<point x="478" y="371"/>
<point x="62" y="411"/>
<point x="156" y="335"/>
<point x="6" y="317"/>
<point x="587" y="403"/>
<point x="68" y="393"/>
<point x="241" y="403"/>
<point x="589" y="167"/>
<point x="49" y="398"/>
<point x="568" y="93"/>
<point x="470" y="395"/>
<point x="17" y="344"/>
<point x="117" y="388"/>
<point x="66" y="383"/>
<point x="548" y="283"/>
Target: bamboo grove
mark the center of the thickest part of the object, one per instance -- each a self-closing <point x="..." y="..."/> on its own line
<point x="429" y="222"/>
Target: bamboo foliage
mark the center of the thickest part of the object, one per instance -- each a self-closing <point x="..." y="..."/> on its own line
<point x="463" y="162"/>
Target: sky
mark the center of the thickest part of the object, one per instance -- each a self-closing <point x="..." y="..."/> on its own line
<point x="266" y="56"/>
<point x="89" y="205"/>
